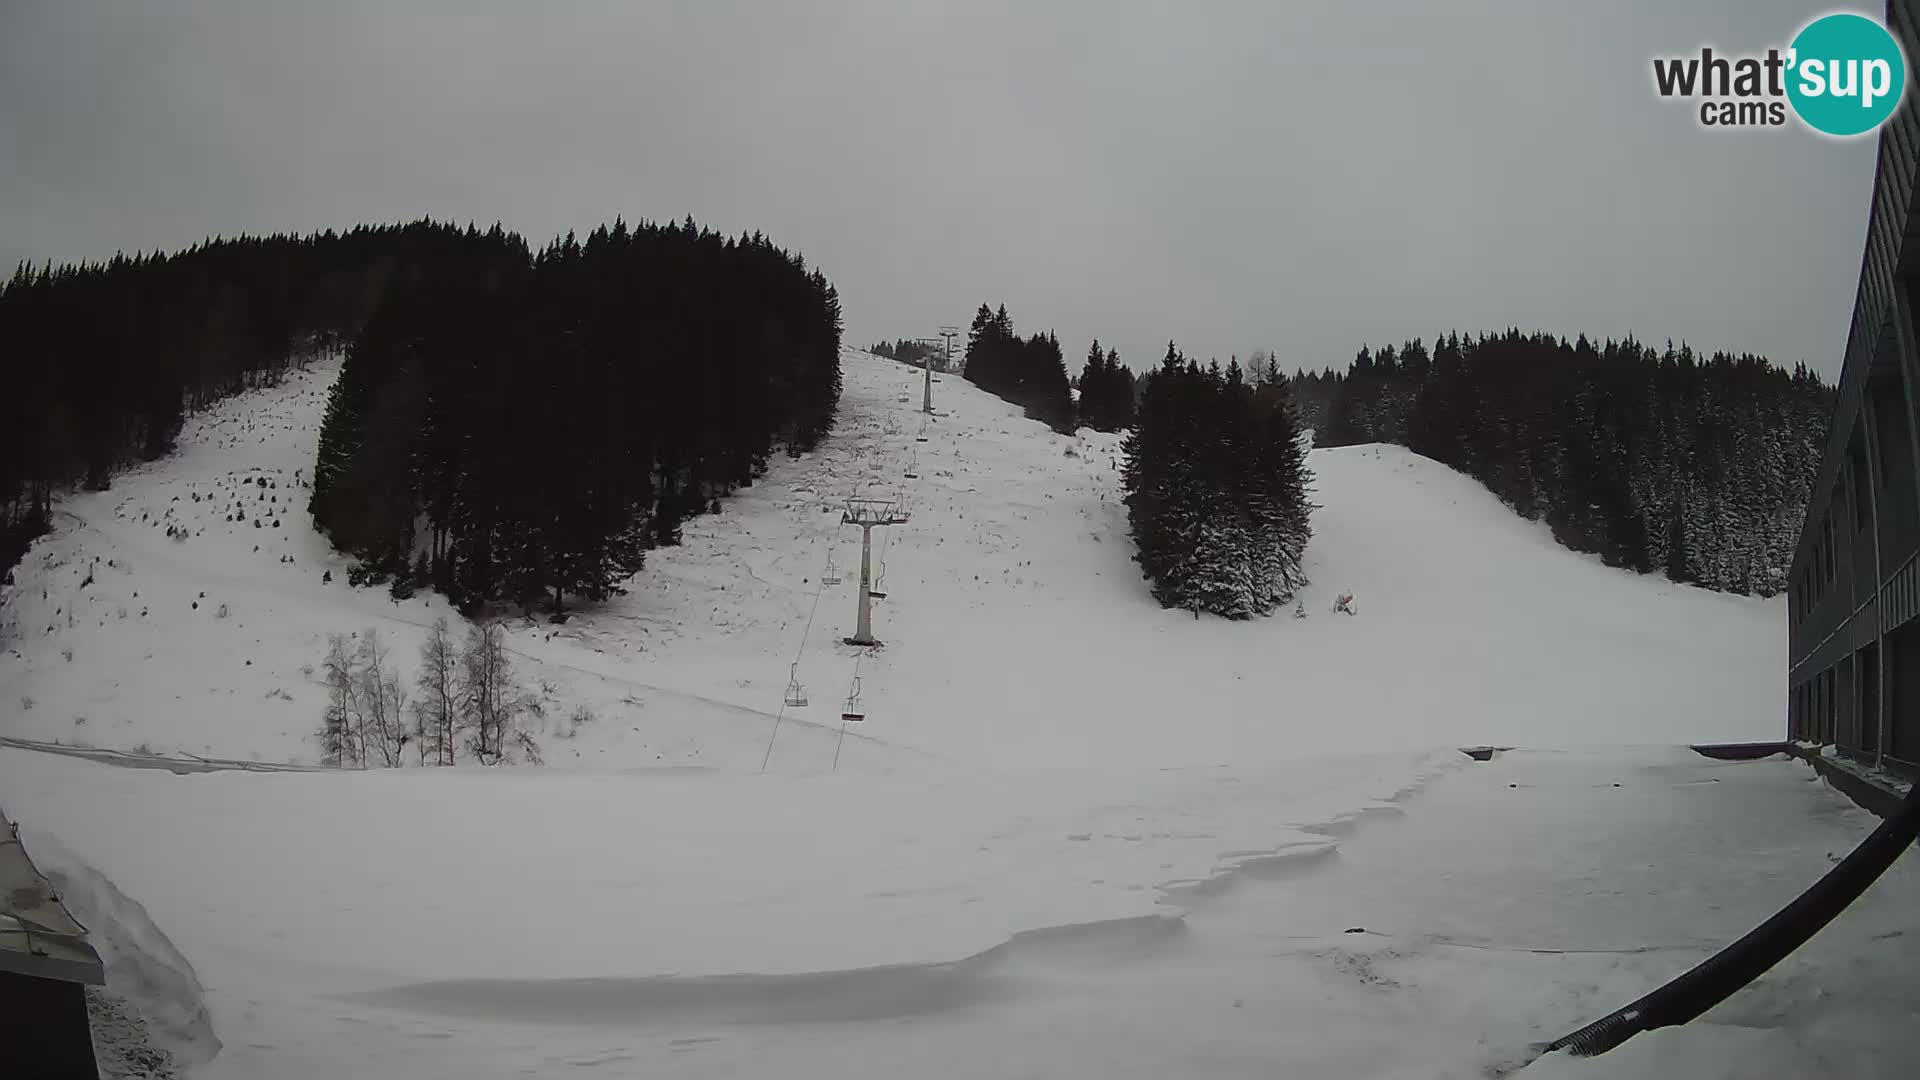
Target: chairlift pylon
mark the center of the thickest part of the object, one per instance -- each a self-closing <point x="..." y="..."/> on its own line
<point x="796" y="694"/>
<point x="853" y="712"/>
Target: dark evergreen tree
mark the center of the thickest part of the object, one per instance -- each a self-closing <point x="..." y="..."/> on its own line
<point x="1216" y="490"/>
<point x="1031" y="373"/>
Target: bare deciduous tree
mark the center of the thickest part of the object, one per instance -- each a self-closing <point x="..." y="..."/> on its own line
<point x="382" y="701"/>
<point x="491" y="702"/>
<point x="437" y="710"/>
<point x="342" y="731"/>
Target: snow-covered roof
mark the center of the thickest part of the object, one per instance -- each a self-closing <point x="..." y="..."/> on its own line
<point x="38" y="936"/>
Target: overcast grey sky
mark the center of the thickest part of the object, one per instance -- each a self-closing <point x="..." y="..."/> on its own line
<point x="1300" y="176"/>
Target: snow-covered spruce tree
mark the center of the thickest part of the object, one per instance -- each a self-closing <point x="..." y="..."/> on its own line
<point x="1157" y="475"/>
<point x="1221" y="578"/>
<point x="1280" y="508"/>
<point x="1216" y="486"/>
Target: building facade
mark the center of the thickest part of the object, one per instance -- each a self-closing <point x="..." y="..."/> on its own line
<point x="1854" y="590"/>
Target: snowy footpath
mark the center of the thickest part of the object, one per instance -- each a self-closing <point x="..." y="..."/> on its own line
<point x="1205" y="922"/>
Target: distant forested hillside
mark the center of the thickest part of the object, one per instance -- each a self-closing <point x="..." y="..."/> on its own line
<point x="507" y="425"/>
<point x="102" y="362"/>
<point x="523" y="428"/>
<point x="1656" y="460"/>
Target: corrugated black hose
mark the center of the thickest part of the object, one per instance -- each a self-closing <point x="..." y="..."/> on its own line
<point x="1718" y="976"/>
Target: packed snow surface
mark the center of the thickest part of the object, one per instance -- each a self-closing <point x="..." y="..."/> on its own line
<point x="1018" y="631"/>
<point x="1205" y="922"/>
<point x="1073" y="835"/>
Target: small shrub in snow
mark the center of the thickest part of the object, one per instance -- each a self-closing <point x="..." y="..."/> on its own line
<point x="220" y="612"/>
<point x="579" y="718"/>
<point x="26" y="703"/>
<point x="529" y="750"/>
<point x="67" y="655"/>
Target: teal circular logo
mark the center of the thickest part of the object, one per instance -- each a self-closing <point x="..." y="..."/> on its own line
<point x="1845" y="74"/>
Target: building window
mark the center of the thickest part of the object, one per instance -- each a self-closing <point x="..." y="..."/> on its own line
<point x="1862" y="488"/>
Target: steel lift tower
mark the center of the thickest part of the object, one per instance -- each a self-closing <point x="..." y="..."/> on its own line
<point x="947" y="334"/>
<point x="868" y="514"/>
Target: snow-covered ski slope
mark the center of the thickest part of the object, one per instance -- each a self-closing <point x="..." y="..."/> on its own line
<point x="1018" y="632"/>
<point x="1075" y="835"/>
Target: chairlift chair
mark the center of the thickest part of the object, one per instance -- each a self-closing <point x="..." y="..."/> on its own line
<point x="796" y="694"/>
<point x="832" y="576"/>
<point x="874" y="590"/>
<point x="853" y="712"/>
